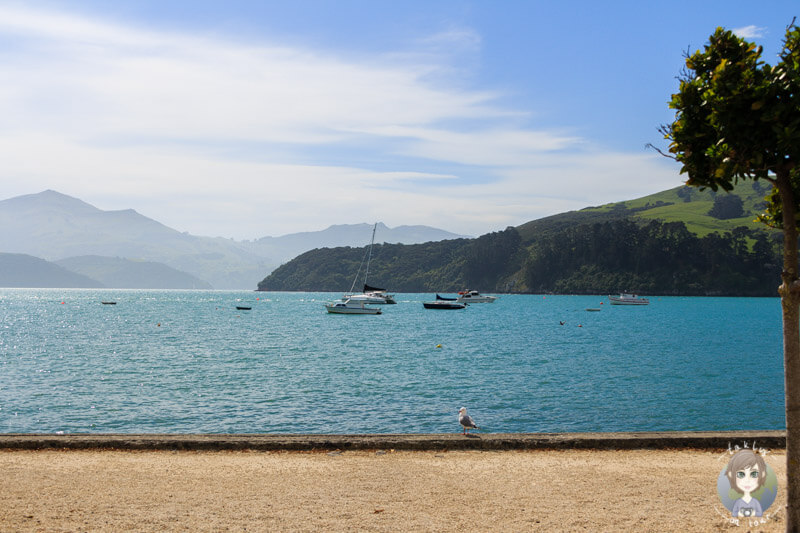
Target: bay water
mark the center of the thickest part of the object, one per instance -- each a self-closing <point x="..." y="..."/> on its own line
<point x="190" y="362"/>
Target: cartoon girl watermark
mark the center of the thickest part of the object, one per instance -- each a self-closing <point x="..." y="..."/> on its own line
<point x="747" y="486"/>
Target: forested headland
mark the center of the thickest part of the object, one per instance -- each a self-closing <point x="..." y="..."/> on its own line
<point x="619" y="247"/>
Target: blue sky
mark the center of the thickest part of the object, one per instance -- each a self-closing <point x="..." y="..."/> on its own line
<point x="243" y="119"/>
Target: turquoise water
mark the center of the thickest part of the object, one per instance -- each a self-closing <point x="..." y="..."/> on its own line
<point x="189" y="362"/>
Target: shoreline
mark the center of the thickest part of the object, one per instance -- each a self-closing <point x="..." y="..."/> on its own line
<point x="643" y="440"/>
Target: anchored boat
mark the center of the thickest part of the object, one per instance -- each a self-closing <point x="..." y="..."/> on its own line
<point x="474" y="297"/>
<point x="348" y="306"/>
<point x="628" y="299"/>
<point x="371" y="295"/>
<point x="444" y="303"/>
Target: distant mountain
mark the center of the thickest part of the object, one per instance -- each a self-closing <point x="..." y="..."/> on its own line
<point x="118" y="273"/>
<point x="21" y="270"/>
<point x="54" y="226"/>
<point x="357" y="235"/>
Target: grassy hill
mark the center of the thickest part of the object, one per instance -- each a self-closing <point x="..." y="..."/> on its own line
<point x="681" y="204"/>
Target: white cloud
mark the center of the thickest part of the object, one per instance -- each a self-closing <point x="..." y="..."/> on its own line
<point x="124" y="117"/>
<point x="749" y="32"/>
<point x="454" y="39"/>
<point x="109" y="80"/>
<point x="492" y="147"/>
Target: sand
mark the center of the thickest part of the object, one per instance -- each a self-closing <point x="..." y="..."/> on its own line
<point x="536" y="490"/>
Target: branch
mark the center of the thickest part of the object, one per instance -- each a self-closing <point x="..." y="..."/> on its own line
<point x="650" y="145"/>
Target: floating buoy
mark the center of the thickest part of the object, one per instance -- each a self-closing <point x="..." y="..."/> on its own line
<point x="159" y="324"/>
<point x="62" y="303"/>
<point x="438" y="345"/>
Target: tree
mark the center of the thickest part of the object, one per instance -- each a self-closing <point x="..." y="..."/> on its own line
<point x="738" y="118"/>
<point x="726" y="207"/>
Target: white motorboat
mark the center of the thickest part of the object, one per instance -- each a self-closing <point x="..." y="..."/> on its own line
<point x="348" y="306"/>
<point x="628" y="299"/>
<point x="474" y="297"/>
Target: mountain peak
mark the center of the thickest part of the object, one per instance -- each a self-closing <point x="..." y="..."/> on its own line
<point x="49" y="199"/>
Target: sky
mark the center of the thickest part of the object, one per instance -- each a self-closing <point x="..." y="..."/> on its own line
<point x="243" y="119"/>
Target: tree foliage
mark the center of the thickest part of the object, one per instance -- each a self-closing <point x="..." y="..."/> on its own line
<point x="737" y="117"/>
<point x="727" y="206"/>
<point x="490" y="257"/>
<point x="654" y="258"/>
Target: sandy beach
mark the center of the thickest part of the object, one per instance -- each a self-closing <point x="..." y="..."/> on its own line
<point x="372" y="490"/>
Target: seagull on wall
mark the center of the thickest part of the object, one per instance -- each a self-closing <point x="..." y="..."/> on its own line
<point x="466" y="421"/>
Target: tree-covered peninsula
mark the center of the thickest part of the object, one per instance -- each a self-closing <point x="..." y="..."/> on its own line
<point x="714" y="250"/>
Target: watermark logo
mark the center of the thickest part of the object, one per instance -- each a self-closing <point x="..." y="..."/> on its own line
<point x="747" y="486"/>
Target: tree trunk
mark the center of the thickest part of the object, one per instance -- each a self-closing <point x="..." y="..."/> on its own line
<point x="790" y="302"/>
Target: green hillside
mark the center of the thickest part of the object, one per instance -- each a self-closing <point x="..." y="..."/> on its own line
<point x="692" y="206"/>
<point x="681" y="204"/>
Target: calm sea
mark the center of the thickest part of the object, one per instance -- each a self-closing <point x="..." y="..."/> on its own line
<point x="190" y="362"/>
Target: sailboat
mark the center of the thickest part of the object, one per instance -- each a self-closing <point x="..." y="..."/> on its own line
<point x="371" y="295"/>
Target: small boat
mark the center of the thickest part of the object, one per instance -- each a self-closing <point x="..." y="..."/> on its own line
<point x="628" y="299"/>
<point x="376" y="292"/>
<point x="371" y="295"/>
<point x="444" y="304"/>
<point x="109" y="303"/>
<point x="592" y="308"/>
<point x="349" y="306"/>
<point x="243" y="308"/>
<point x="474" y="297"/>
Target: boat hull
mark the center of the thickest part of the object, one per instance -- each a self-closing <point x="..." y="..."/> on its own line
<point x="628" y="300"/>
<point x="354" y="311"/>
<point x="444" y="305"/>
<point x="477" y="299"/>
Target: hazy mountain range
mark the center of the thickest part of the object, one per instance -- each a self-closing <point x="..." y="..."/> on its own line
<point x="124" y="249"/>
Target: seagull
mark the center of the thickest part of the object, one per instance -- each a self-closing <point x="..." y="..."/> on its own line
<point x="465" y="420"/>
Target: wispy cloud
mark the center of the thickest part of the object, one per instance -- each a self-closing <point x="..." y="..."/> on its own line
<point x="750" y="32"/>
<point x="120" y="80"/>
<point x="293" y="138"/>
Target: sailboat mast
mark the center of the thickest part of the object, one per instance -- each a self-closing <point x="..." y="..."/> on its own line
<point x="369" y="257"/>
